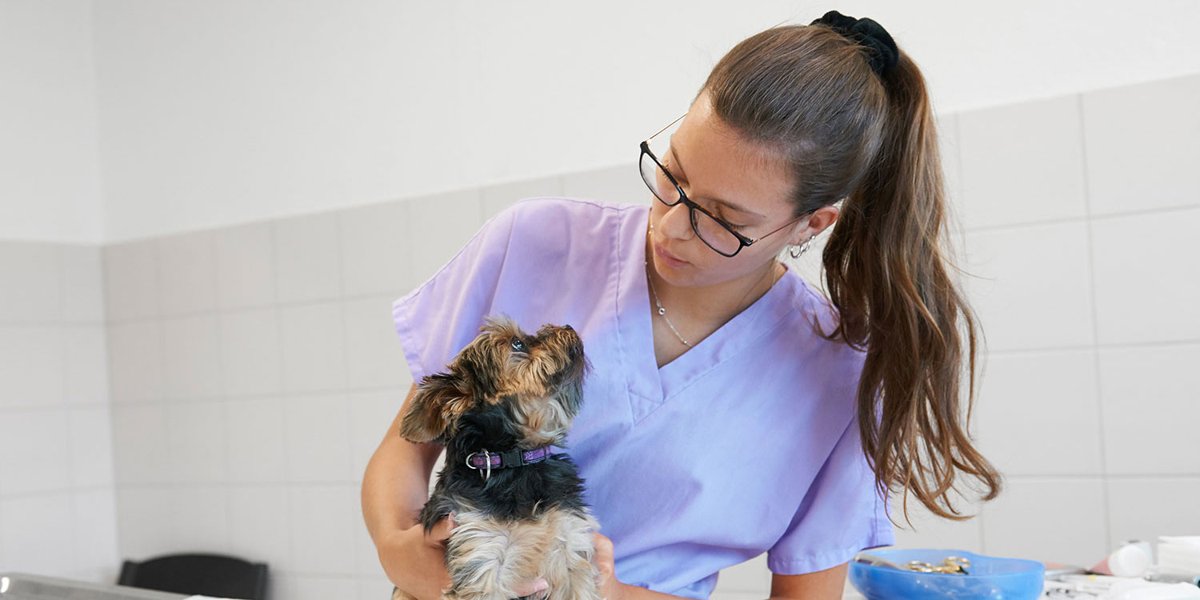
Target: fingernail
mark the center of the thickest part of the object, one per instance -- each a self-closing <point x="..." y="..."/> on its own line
<point x="540" y="586"/>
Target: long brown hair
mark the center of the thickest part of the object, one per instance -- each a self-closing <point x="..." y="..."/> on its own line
<point x="809" y="94"/>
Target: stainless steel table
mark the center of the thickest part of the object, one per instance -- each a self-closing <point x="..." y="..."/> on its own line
<point x="26" y="586"/>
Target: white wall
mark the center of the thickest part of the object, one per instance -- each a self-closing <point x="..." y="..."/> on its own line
<point x="1078" y="210"/>
<point x="49" y="166"/>
<point x="216" y="113"/>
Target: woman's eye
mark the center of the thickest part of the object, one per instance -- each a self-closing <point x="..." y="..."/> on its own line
<point x="518" y="345"/>
<point x="723" y="219"/>
<point x="716" y="213"/>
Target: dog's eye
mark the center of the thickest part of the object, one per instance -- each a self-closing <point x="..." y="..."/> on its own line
<point x="518" y="345"/>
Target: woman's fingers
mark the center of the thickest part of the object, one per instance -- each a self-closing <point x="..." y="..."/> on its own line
<point x="415" y="562"/>
<point x="604" y="558"/>
<point x="530" y="588"/>
<point x="441" y="530"/>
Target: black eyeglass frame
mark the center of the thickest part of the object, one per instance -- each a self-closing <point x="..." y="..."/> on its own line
<point x="743" y="241"/>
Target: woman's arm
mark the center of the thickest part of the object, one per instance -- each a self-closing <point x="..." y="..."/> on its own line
<point x="396" y="482"/>
<point x="610" y="587"/>
<point x="633" y="592"/>
<point x="830" y="584"/>
<point x="394" y="488"/>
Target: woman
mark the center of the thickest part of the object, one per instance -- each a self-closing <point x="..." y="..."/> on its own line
<point x="771" y="419"/>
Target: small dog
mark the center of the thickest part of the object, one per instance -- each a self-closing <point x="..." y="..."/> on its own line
<point x="518" y="510"/>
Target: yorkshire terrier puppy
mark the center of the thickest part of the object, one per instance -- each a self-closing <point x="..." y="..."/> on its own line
<point x="518" y="509"/>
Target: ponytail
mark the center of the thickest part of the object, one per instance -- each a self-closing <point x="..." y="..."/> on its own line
<point x="886" y="272"/>
<point x="851" y="129"/>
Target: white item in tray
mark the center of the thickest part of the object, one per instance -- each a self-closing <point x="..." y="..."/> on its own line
<point x="1136" y="589"/>
<point x="1179" y="554"/>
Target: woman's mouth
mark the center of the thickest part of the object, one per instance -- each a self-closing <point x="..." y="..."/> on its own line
<point x="668" y="258"/>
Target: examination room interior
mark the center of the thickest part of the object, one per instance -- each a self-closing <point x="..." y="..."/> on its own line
<point x="207" y="209"/>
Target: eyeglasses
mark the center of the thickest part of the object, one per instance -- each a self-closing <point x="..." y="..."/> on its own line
<point x="713" y="231"/>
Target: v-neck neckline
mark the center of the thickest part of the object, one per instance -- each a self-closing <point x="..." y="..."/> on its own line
<point x="651" y="385"/>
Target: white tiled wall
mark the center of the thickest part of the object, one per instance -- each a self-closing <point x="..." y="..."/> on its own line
<point x="1141" y="147"/>
<point x="238" y="427"/>
<point x="1084" y="274"/>
<point x="57" y="509"/>
<point x="253" y="369"/>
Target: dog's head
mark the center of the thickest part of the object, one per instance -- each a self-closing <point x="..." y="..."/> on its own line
<point x="535" y="381"/>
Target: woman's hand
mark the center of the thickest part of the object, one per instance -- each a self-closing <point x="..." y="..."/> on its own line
<point x="610" y="588"/>
<point x="416" y="562"/>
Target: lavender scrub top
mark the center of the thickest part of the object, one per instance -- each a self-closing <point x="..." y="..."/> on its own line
<point x="746" y="443"/>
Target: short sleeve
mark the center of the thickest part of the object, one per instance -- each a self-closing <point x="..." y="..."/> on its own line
<point x="840" y="515"/>
<point x="441" y="316"/>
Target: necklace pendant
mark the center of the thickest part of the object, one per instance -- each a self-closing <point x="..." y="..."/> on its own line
<point x="662" y="311"/>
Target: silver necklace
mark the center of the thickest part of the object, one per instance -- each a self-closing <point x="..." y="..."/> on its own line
<point x="662" y="312"/>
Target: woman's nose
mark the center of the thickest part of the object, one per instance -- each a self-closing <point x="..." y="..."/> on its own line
<point x="676" y="222"/>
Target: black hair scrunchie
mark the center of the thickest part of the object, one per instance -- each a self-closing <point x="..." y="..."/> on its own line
<point x="868" y="33"/>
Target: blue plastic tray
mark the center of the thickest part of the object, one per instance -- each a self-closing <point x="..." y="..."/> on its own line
<point x="989" y="577"/>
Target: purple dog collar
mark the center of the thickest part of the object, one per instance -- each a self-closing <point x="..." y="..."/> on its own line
<point x="486" y="461"/>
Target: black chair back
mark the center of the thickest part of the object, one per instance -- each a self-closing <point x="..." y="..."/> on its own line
<point x="198" y="574"/>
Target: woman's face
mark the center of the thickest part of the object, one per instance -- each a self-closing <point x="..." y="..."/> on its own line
<point x="739" y="182"/>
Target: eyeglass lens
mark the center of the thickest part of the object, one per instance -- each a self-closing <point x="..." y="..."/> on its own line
<point x="709" y="231"/>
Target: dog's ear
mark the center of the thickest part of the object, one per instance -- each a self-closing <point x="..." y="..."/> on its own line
<point x="570" y="397"/>
<point x="435" y="409"/>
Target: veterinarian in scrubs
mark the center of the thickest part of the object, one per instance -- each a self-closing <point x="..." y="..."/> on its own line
<point x="732" y="408"/>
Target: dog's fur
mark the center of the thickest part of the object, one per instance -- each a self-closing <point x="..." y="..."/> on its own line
<point x="524" y="522"/>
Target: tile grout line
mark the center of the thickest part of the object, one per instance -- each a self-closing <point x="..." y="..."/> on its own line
<point x="109" y="404"/>
<point x="223" y="404"/>
<point x="1107" y="476"/>
<point x="1088" y="217"/>
<point x="340" y="237"/>
<point x="280" y="392"/>
<point x="1097" y="346"/>
<point x="1095" y="318"/>
<point x="981" y="516"/>
<point x="64" y="402"/>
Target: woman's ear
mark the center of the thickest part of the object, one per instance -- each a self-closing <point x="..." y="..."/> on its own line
<point x="435" y="408"/>
<point x="814" y="224"/>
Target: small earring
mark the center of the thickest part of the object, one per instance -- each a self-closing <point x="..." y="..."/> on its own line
<point x="796" y="251"/>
